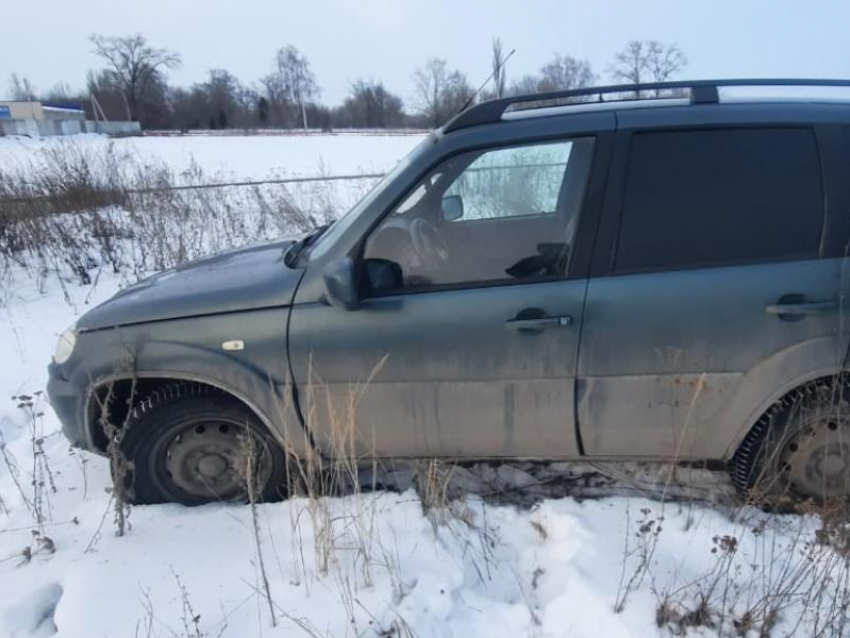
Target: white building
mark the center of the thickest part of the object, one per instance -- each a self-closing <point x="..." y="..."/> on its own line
<point x="37" y="119"/>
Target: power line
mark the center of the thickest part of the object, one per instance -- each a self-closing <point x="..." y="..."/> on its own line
<point x="288" y="180"/>
<point x="186" y="187"/>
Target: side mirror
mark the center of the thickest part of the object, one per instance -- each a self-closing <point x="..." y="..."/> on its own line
<point x="340" y="284"/>
<point x="452" y="208"/>
<point x="381" y="275"/>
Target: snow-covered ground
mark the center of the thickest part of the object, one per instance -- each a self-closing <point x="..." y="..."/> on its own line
<point x="372" y="565"/>
<point x="240" y="157"/>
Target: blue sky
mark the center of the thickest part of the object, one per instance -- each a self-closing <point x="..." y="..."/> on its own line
<point x="345" y="40"/>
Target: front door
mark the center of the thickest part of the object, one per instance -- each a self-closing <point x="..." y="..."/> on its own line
<point x="466" y="341"/>
<point x="715" y="289"/>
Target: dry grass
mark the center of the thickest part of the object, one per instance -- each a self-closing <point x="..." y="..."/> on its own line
<point x="36" y="492"/>
<point x="768" y="567"/>
<point x="79" y="209"/>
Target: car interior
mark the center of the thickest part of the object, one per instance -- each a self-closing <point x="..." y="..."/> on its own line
<point x="485" y="216"/>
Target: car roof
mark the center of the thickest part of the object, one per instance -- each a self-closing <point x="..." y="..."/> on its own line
<point x="656" y="96"/>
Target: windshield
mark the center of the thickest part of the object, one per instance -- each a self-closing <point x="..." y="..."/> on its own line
<point x="328" y="238"/>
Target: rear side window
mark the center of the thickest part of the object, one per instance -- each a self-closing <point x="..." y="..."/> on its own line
<point x="720" y="197"/>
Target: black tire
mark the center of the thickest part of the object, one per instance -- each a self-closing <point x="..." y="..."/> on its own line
<point x="799" y="450"/>
<point x="208" y="428"/>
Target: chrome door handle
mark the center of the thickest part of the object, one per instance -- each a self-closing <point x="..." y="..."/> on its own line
<point x="799" y="310"/>
<point x="539" y="323"/>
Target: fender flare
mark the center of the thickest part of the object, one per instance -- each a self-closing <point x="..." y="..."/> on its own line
<point x="298" y="445"/>
<point x="811" y="360"/>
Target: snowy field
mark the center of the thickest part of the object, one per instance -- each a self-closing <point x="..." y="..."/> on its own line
<point x="372" y="565"/>
<point x="241" y="157"/>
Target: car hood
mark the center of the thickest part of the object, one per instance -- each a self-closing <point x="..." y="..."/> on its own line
<point x="242" y="279"/>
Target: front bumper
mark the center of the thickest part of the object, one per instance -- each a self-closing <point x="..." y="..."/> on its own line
<point x="67" y="402"/>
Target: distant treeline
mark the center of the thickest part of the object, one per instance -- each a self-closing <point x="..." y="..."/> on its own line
<point x="132" y="83"/>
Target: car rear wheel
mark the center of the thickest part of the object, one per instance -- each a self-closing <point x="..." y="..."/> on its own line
<point x="194" y="444"/>
<point x="800" y="450"/>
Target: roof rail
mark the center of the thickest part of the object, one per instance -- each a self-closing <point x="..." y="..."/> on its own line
<point x="702" y="92"/>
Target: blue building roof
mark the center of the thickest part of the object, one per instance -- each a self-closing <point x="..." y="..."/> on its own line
<point x="70" y="106"/>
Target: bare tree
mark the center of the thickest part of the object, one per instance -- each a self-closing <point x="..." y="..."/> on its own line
<point x="370" y="105"/>
<point x="430" y="82"/>
<point x="189" y="108"/>
<point x="647" y="60"/>
<point x="498" y="62"/>
<point x="134" y="68"/>
<point x="291" y="81"/>
<point x="564" y="72"/>
<point x="526" y="85"/>
<point x="458" y="94"/>
<point x="440" y="93"/>
<point x="664" y="62"/>
<point x="61" y="91"/>
<point x="263" y="110"/>
<point x="219" y="103"/>
<point x="630" y="63"/>
<point x="561" y="73"/>
<point x="221" y="90"/>
<point x="247" y="104"/>
<point x="21" y="89"/>
<point x="152" y="110"/>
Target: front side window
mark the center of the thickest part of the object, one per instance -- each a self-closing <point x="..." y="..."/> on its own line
<point x="720" y="197"/>
<point x="512" y="182"/>
<point x="496" y="215"/>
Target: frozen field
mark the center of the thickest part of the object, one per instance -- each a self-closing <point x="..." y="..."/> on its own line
<point x="370" y="565"/>
<point x="241" y="157"/>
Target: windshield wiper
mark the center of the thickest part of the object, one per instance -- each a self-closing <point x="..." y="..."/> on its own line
<point x="290" y="258"/>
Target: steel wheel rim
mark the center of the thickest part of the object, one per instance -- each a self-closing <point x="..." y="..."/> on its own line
<point x="815" y="459"/>
<point x="210" y="460"/>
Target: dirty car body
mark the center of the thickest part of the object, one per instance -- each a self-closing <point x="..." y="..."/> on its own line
<point x="634" y="280"/>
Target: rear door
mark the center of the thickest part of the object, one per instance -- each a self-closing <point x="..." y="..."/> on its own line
<point x="710" y="276"/>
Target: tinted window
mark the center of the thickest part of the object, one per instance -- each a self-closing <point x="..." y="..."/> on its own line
<point x="493" y="215"/>
<point x="706" y="198"/>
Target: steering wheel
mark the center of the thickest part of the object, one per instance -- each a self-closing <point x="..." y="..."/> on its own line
<point x="428" y="244"/>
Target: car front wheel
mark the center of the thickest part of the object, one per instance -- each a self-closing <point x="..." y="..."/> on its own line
<point x="194" y="444"/>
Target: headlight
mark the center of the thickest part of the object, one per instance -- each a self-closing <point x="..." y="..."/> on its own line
<point x="65" y="345"/>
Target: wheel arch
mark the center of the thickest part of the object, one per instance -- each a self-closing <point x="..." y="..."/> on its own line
<point x="745" y="455"/>
<point x="771" y="380"/>
<point x="143" y="382"/>
<point x="778" y="399"/>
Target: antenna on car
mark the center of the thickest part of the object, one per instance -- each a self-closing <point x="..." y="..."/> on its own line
<point x="489" y="77"/>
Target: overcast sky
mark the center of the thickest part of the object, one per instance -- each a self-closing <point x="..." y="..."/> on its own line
<point x="384" y="39"/>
